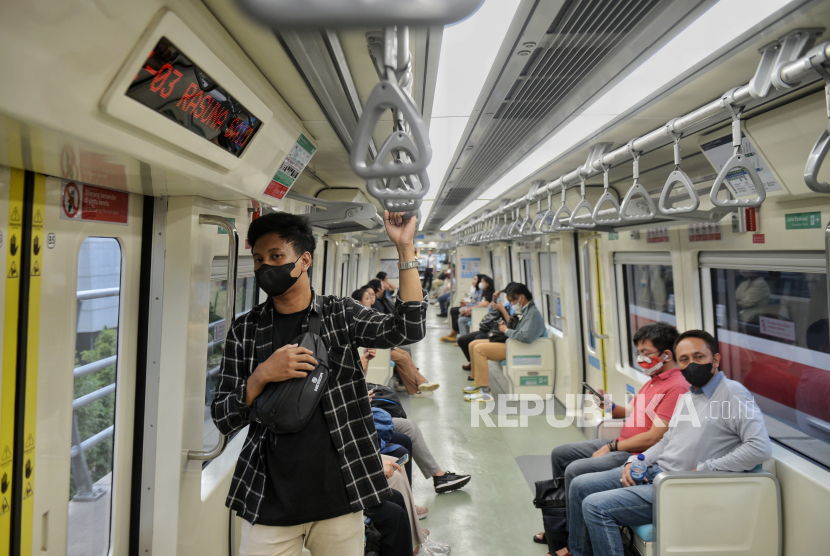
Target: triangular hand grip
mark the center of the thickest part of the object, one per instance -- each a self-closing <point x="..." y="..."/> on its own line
<point x="607" y="197"/>
<point x="583" y="205"/>
<point x="738" y="161"/>
<point x="385" y="96"/>
<point x="678" y="176"/>
<point x="635" y="190"/>
<point x="535" y="228"/>
<point x="524" y="228"/>
<point x="399" y="187"/>
<point x="814" y="162"/>
<point x="561" y="213"/>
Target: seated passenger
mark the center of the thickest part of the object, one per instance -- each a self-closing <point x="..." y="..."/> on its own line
<point x="388" y="287"/>
<point x="461" y="316"/>
<point x="474" y="296"/>
<point x="381" y="304"/>
<point x="716" y="427"/>
<point x="531" y="326"/>
<point x="444" y="295"/>
<point x="654" y="343"/>
<point x="309" y="486"/>
<point x="416" y="385"/>
<point x="497" y="314"/>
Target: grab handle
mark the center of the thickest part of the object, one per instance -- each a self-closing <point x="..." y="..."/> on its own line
<point x="677" y="176"/>
<point x="586" y="269"/>
<point x="583" y="205"/>
<point x="637" y="189"/>
<point x="561" y="213"/>
<point x="606" y="198"/>
<point x="233" y="247"/>
<point x="738" y="160"/>
<point x="822" y="146"/>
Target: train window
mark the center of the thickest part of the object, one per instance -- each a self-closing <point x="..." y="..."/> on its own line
<point x="770" y="321"/>
<point x="527" y="271"/>
<point x="93" y="406"/>
<point x="648" y="286"/>
<point x="551" y="305"/>
<point x="246" y="298"/>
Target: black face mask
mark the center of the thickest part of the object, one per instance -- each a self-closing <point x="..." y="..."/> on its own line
<point x="697" y="375"/>
<point x="276" y="280"/>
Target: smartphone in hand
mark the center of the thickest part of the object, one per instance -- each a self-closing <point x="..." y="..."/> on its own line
<point x="404" y="460"/>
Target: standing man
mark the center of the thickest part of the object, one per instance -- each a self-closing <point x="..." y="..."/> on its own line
<point x="310" y="486"/>
<point x="429" y="272"/>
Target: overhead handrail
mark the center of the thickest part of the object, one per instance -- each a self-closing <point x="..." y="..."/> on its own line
<point x="586" y="269"/>
<point x="636" y="189"/>
<point x="524" y="229"/>
<point x="822" y="146"/>
<point x="606" y="197"/>
<point x="230" y="303"/>
<point x="562" y="213"/>
<point x="738" y="160"/>
<point x="583" y="205"/>
<point x="677" y="176"/>
<point x="541" y="215"/>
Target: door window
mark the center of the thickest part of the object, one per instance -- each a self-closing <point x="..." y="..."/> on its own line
<point x="649" y="297"/>
<point x="93" y="405"/>
<point x="549" y="273"/>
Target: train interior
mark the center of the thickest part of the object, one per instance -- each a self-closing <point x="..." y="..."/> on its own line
<point x="628" y="161"/>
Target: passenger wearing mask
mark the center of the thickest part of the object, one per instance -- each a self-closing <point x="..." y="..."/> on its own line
<point x="474" y="298"/>
<point x="311" y="486"/>
<point x="654" y="343"/>
<point x="416" y="385"/>
<point x="497" y="314"/>
<point x="716" y="427"/>
<point x="530" y="327"/>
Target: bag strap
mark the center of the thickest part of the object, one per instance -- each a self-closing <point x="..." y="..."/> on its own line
<point x="314" y="323"/>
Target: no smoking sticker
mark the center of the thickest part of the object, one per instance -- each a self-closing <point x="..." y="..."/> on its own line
<point x="71" y="200"/>
<point x="81" y="201"/>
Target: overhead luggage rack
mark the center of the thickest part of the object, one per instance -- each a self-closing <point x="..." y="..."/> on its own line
<point x="339" y="216"/>
<point x="784" y="64"/>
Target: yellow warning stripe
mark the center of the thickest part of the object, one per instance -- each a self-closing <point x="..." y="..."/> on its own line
<point x="7" y="395"/>
<point x="38" y="244"/>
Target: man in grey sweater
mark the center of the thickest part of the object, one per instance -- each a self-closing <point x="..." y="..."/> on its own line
<point x="716" y="427"/>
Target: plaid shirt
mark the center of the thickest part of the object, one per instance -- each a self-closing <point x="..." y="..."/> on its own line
<point x="346" y="325"/>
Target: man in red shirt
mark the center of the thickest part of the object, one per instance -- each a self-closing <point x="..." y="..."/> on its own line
<point x="658" y="397"/>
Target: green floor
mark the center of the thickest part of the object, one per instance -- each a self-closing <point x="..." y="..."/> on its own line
<point x="494" y="514"/>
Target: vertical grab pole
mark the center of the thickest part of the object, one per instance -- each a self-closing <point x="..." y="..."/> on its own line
<point x="233" y="246"/>
<point x="586" y="269"/>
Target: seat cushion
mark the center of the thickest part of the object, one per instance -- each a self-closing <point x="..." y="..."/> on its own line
<point x="645" y="532"/>
<point x="503" y="362"/>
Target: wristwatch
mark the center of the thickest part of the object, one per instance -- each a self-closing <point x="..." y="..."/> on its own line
<point x="409" y="264"/>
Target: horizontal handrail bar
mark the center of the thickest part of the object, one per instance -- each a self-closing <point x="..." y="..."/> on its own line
<point x="93" y="396"/>
<point x="84" y="370"/>
<point x="93" y="440"/>
<point x="97" y="294"/>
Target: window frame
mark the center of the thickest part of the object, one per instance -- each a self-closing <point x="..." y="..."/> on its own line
<point x="548" y="292"/>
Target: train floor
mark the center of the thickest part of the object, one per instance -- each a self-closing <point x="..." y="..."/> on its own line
<point x="494" y="514"/>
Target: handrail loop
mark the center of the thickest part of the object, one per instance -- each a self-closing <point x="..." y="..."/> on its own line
<point x="606" y="198"/>
<point x="233" y="247"/>
<point x="586" y="268"/>
<point x="637" y="189"/>
<point x="562" y="212"/>
<point x="738" y="160"/>
<point x="822" y="146"/>
<point x="583" y="203"/>
<point x="677" y="176"/>
<point x="524" y="229"/>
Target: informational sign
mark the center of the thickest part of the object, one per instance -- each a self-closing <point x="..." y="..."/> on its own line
<point x="719" y="151"/>
<point x="705" y="231"/>
<point x="759" y="238"/>
<point x="541" y="380"/>
<point x="390" y="267"/>
<point x="527" y="360"/>
<point x="613" y="236"/>
<point x="470" y="267"/>
<point x="802" y="220"/>
<point x="778" y="328"/>
<point x="291" y="168"/>
<point x="657" y="235"/>
<point x="81" y="201"/>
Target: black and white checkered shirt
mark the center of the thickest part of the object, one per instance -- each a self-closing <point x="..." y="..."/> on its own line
<point x="346" y="325"/>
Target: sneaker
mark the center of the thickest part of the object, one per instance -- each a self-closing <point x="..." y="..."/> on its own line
<point x="480" y="397"/>
<point x="449" y="339"/>
<point x="425" y="551"/>
<point x="421" y="394"/>
<point x="421" y="512"/>
<point x="435" y="546"/>
<point x="471" y="389"/>
<point x="428" y="386"/>
<point x="449" y="482"/>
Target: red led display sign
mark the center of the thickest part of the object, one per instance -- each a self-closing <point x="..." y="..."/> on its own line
<point x="176" y="88"/>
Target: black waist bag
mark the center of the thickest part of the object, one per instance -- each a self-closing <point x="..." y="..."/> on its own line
<point x="287" y="406"/>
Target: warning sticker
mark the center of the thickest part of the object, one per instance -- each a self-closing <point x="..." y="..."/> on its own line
<point x="291" y="168"/>
<point x="719" y="151"/>
<point x="81" y="201"/>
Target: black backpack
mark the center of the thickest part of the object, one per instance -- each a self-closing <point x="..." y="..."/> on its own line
<point x="387" y="399"/>
<point x="550" y="498"/>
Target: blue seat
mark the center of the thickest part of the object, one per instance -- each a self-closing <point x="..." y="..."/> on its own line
<point x="503" y="362"/>
<point x="645" y="532"/>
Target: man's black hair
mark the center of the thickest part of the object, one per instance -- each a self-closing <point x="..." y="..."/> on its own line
<point x="358" y="293"/>
<point x="381" y="275"/>
<point x="521" y="289"/>
<point x="375" y="285"/>
<point x="292" y="228"/>
<point x="661" y="334"/>
<point x="700" y="334"/>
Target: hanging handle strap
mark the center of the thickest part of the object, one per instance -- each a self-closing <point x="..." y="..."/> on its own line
<point x="635" y="190"/>
<point x="822" y="146"/>
<point x="583" y="204"/>
<point x="607" y="197"/>
<point x="677" y="176"/>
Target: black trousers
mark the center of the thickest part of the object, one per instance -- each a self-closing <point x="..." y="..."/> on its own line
<point x="405" y="444"/>
<point x="465" y="341"/>
<point x="392" y="522"/>
<point x="454" y="314"/>
<point x="426" y="281"/>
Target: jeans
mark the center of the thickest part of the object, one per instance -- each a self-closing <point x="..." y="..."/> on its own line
<point x="464" y="325"/>
<point x="599" y="504"/>
<point x="454" y="314"/>
<point x="572" y="460"/>
<point x="444" y="302"/>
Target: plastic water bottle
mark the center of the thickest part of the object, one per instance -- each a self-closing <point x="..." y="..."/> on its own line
<point x="638" y="469"/>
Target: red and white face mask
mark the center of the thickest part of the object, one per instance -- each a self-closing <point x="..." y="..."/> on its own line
<point x="651" y="365"/>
